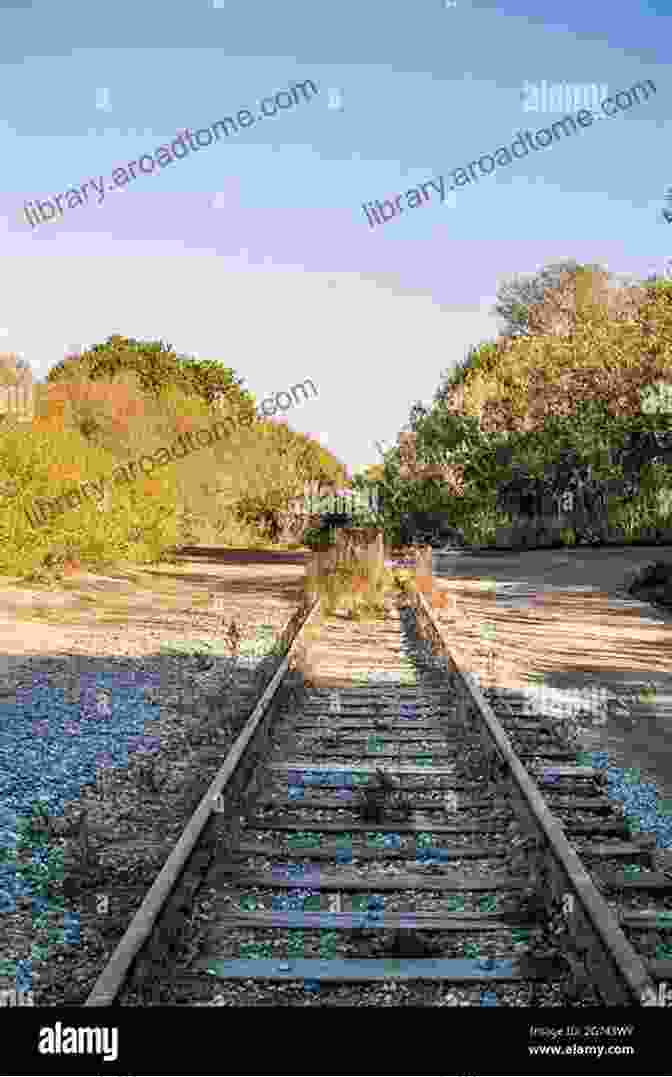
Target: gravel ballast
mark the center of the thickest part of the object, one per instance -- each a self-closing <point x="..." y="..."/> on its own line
<point x="105" y="751"/>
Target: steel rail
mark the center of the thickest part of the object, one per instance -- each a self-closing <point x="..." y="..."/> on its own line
<point x="593" y="931"/>
<point x="113" y="975"/>
<point x="616" y="969"/>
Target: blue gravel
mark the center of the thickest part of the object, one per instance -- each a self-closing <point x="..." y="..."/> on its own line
<point x="641" y="802"/>
<point x="50" y="748"/>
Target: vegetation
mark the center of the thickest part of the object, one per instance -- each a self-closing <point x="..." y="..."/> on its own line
<point x="575" y="402"/>
<point x="158" y="368"/>
<point x="574" y="397"/>
<point x="547" y="301"/>
<point x="114" y="404"/>
<point x="316" y="538"/>
<point x="352" y="579"/>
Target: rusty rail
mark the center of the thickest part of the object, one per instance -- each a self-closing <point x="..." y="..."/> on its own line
<point x="600" y="949"/>
<point x="113" y="975"/>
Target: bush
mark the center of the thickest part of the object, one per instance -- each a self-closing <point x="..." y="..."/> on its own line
<point x="98" y="413"/>
<point x="596" y="391"/>
<point x="316" y="538"/>
<point x="356" y="580"/>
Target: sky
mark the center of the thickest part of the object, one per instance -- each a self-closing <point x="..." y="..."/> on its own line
<point x="257" y="250"/>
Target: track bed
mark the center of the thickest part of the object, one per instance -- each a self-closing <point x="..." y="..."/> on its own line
<point x="403" y="835"/>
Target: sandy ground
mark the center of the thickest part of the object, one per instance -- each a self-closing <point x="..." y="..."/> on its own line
<point x="566" y="615"/>
<point x="127" y="621"/>
<point x="40" y="620"/>
<point x="563" y="614"/>
<point x="571" y="609"/>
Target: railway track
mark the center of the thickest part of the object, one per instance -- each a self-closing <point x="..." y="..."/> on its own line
<point x="404" y="829"/>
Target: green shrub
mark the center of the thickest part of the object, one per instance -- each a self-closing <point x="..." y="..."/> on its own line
<point x="316" y="538"/>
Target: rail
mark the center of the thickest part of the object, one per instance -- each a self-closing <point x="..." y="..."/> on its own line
<point x="609" y="960"/>
<point x="592" y="938"/>
<point x="113" y="975"/>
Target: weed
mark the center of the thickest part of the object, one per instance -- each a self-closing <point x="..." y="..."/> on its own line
<point x="351" y="575"/>
<point x="234" y="636"/>
<point x="377" y="799"/>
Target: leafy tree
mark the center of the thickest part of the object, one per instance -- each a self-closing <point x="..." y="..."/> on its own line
<point x="278" y="462"/>
<point x="158" y="368"/>
<point x="517" y="295"/>
<point x="533" y="496"/>
<point x="550" y="301"/>
<point x="576" y="404"/>
<point x="534" y="379"/>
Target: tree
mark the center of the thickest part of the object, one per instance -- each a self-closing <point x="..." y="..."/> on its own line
<point x="568" y="485"/>
<point x="548" y="302"/>
<point x="517" y="295"/>
<point x="585" y="378"/>
<point x="641" y="448"/>
<point x="159" y="369"/>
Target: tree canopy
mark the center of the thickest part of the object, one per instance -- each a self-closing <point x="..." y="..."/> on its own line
<point x="580" y="401"/>
<point x="158" y="368"/>
<point x="549" y="301"/>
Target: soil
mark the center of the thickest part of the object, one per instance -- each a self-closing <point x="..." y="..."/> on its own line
<point x="116" y="837"/>
<point x="568" y="616"/>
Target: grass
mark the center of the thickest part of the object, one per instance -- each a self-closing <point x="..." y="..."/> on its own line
<point x="355" y="579"/>
<point x="350" y="576"/>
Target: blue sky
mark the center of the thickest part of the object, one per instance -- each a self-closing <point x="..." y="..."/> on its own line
<point x="256" y="250"/>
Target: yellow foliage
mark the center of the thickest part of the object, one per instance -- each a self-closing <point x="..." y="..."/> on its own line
<point x="539" y="376"/>
<point x="85" y="429"/>
<point x="64" y="473"/>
